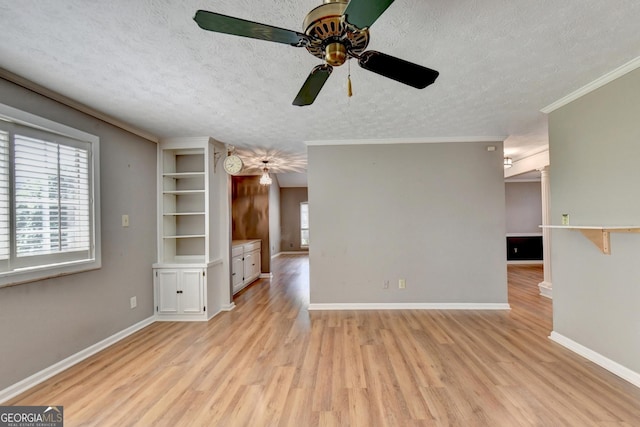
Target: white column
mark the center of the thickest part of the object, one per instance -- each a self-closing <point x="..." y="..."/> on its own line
<point x="546" y="286"/>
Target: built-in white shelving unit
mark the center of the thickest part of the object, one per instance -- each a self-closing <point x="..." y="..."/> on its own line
<point x="185" y="194"/>
<point x="191" y="241"/>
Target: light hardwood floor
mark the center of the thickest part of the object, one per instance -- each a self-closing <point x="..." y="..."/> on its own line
<point x="271" y="362"/>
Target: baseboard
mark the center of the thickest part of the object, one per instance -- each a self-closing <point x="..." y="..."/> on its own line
<point x="183" y="317"/>
<point x="293" y="253"/>
<point x="409" y="306"/>
<point x="608" y="364"/>
<point x="546" y="289"/>
<point x="35" y="379"/>
<point x="526" y="262"/>
<point x="228" y="307"/>
<point x="265" y="275"/>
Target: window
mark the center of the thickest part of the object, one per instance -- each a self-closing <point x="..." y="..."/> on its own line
<point x="304" y="224"/>
<point x="4" y="198"/>
<point x="47" y="214"/>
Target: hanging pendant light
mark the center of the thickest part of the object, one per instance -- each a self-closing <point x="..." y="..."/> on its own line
<point x="265" y="179"/>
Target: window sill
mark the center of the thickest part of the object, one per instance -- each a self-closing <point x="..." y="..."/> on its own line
<point x="34" y="274"/>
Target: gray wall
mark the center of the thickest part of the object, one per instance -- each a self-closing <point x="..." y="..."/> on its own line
<point x="432" y="214"/>
<point x="290" y="199"/>
<point x="44" y="322"/>
<point x="523" y="202"/>
<point x="594" y="153"/>
<point x="274" y="217"/>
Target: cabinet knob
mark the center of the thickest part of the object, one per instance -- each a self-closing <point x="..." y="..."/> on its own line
<point x="179" y="292"/>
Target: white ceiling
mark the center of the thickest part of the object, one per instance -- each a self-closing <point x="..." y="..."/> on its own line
<point x="292" y="179"/>
<point x="146" y="62"/>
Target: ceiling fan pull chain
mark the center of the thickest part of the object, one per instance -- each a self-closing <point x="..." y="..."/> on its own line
<point x="349" y="89"/>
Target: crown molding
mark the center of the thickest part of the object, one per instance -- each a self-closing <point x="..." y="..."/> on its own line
<point x="598" y="83"/>
<point x="528" y="164"/>
<point x="55" y="96"/>
<point x="426" y="140"/>
<point x="512" y="180"/>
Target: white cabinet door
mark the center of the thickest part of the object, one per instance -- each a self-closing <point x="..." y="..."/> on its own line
<point x="237" y="273"/>
<point x="258" y="263"/>
<point x="179" y="291"/>
<point x="167" y="290"/>
<point x="249" y="262"/>
<point x="190" y="291"/>
<point x="255" y="264"/>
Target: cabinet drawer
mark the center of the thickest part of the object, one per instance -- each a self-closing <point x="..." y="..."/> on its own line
<point x="249" y="247"/>
<point x="236" y="250"/>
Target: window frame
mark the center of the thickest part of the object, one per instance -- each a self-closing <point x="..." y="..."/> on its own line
<point x="45" y="271"/>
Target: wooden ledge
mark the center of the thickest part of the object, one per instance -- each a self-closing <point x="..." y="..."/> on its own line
<point x="599" y="235"/>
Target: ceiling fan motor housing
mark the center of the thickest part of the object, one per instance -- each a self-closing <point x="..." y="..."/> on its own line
<point x="334" y="40"/>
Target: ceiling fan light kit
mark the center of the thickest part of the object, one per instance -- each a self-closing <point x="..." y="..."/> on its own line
<point x="335" y="32"/>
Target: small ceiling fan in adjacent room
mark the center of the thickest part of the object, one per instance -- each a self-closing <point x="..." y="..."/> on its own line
<point x="334" y="32"/>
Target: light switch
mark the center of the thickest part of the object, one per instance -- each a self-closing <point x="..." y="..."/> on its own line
<point x="125" y="220"/>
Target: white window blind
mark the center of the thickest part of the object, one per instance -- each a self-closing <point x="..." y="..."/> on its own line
<point x="52" y="211"/>
<point x="4" y="196"/>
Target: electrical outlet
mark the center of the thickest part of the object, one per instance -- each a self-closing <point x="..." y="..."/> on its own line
<point x="125" y="220"/>
<point x="133" y="301"/>
<point x="402" y="284"/>
<point x="386" y="285"/>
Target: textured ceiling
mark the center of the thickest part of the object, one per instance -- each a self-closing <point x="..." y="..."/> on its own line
<point x="148" y="64"/>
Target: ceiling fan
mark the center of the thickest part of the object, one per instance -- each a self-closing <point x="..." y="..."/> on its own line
<point x="335" y="31"/>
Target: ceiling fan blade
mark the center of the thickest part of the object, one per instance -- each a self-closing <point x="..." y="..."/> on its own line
<point x="398" y="69"/>
<point x="311" y="87"/>
<point x="363" y="13"/>
<point x="240" y="27"/>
